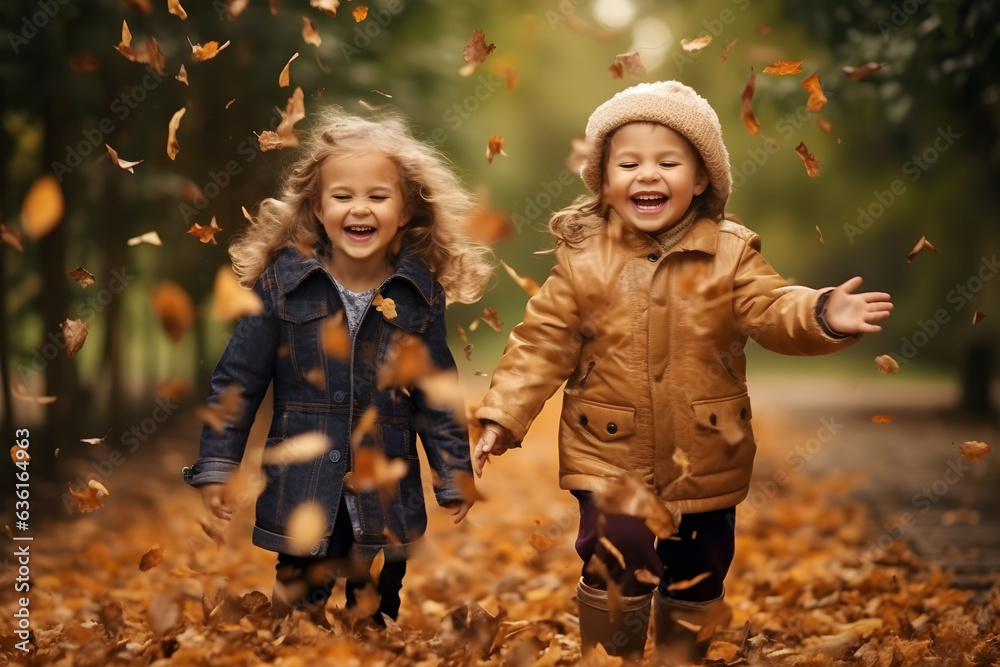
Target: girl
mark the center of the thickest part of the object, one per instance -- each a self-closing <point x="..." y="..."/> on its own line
<point x="645" y="317"/>
<point x="364" y="245"/>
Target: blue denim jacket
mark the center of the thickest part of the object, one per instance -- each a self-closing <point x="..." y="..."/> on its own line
<point x="283" y="344"/>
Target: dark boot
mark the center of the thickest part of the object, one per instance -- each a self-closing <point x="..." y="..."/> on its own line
<point x="622" y="634"/>
<point x="683" y="630"/>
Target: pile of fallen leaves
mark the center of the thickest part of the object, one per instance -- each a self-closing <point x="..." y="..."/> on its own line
<point x="147" y="579"/>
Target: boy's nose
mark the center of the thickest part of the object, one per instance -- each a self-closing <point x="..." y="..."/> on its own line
<point x="360" y="211"/>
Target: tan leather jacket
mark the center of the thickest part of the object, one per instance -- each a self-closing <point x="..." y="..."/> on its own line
<point x="650" y="346"/>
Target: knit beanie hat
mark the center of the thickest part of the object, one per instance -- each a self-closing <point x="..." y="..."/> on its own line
<point x="680" y="108"/>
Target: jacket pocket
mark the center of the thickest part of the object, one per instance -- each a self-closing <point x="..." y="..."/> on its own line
<point x="301" y="310"/>
<point x="601" y="420"/>
<point x="729" y="417"/>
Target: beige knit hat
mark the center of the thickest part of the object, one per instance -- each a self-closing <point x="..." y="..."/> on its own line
<point x="669" y="103"/>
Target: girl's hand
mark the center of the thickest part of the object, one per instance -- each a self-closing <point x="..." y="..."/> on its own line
<point x="851" y="314"/>
<point x="495" y="440"/>
<point x="458" y="509"/>
<point x="214" y="496"/>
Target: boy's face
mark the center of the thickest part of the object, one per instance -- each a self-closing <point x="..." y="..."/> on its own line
<point x="652" y="173"/>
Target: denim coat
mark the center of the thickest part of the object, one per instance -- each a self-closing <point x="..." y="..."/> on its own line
<point x="283" y="344"/>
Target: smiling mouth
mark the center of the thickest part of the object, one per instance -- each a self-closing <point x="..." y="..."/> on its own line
<point x="648" y="203"/>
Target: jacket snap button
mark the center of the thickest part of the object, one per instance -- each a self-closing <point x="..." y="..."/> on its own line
<point x="334" y="456"/>
<point x="314" y="551"/>
<point x="583" y="420"/>
<point x="612" y="427"/>
<point x="743" y="413"/>
<point x="712" y="419"/>
<point x="652" y="257"/>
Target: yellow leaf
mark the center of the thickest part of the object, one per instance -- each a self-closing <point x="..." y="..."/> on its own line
<point x="360" y="13"/>
<point x="173" y="147"/>
<point x="783" y="67"/>
<point x="696" y="44"/>
<point x="285" y="77"/>
<point x="43" y="207"/>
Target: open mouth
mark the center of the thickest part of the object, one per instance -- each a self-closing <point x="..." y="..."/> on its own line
<point x="648" y="202"/>
<point x="359" y="232"/>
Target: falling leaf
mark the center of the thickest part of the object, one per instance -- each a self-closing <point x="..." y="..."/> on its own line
<point x="205" y="233"/>
<point x="285" y="137"/>
<point x="182" y="75"/>
<point x="784" y="67"/>
<point x="75" y="334"/>
<point x="206" y="51"/>
<point x="808" y="159"/>
<point x="494" y="147"/>
<point x="152" y="238"/>
<point x="725" y="50"/>
<point x="360" y="13"/>
<point x="974" y="450"/>
<point x="91" y="498"/>
<point x="144" y="6"/>
<point x="148" y="54"/>
<point x="230" y="102"/>
<point x="462" y="334"/>
<point x="151" y="559"/>
<point x="922" y="245"/>
<point x="11" y="237"/>
<point x="95" y="441"/>
<point x="746" y="112"/>
<point x="696" y="44"/>
<point x="579" y="153"/>
<point x="373" y="471"/>
<point x="475" y="52"/>
<point x="630" y="495"/>
<point x="286" y="74"/>
<point x="468" y="352"/>
<point x="309" y="33"/>
<point x="824" y="125"/>
<point x="762" y="29"/>
<point x="443" y="391"/>
<point x="173" y="389"/>
<point x="487" y="225"/>
<point x="306" y="526"/>
<point x="820" y="232"/>
<point x="230" y="300"/>
<point x="301" y="448"/>
<point x="645" y="576"/>
<point x="123" y="164"/>
<point x="510" y="75"/>
<point x="385" y="306"/>
<point x="689" y="583"/>
<point x="316" y="376"/>
<point x="613" y="550"/>
<point x="379" y="92"/>
<point x="326" y="6"/>
<point x="978" y="317"/>
<point x="213" y="533"/>
<point x="227" y="408"/>
<point x="817" y="100"/>
<point x="627" y="63"/>
<point x="887" y="365"/>
<point x="364" y="426"/>
<point x="336" y="338"/>
<point x="492" y="318"/>
<point x="881" y="419"/>
<point x="19" y="454"/>
<point x="43" y="207"/>
<point x="858" y="73"/>
<point x="82" y="276"/>
<point x="174" y="308"/>
<point x="528" y="283"/>
<point x="174" y="7"/>
<point x="408" y="361"/>
<point x="83" y="63"/>
<point x="173" y="147"/>
<point x="20" y="392"/>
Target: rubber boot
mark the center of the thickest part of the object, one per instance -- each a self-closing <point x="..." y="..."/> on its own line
<point x="623" y="633"/>
<point x="683" y="630"/>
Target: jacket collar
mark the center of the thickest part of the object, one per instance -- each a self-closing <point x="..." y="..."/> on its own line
<point x="291" y="268"/>
<point x="702" y="237"/>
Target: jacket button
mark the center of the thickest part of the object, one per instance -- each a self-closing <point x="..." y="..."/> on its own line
<point x="314" y="551"/>
<point x="712" y="419"/>
<point x="583" y="420"/>
<point x="652" y="257"/>
<point x="612" y="428"/>
<point x="334" y="456"/>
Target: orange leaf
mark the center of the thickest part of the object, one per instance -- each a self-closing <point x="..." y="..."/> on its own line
<point x="762" y="29"/>
<point x="301" y="448"/>
<point x="43" y="207"/>
<point x="174" y="308"/>
<point x="630" y="495"/>
<point x="19" y="454"/>
<point x="173" y="146"/>
<point x="306" y="526"/>
<point x="326" y="6"/>
<point x="174" y="7"/>
<point x="148" y="54"/>
<point x="627" y="63"/>
<point x="336" y="338"/>
<point x="385" y="306"/>
<point x="820" y="232"/>
<point x="309" y="33"/>
<point x="468" y="352"/>
<point x="285" y="77"/>
<point x="528" y="284"/>
<point x="475" y="52"/>
<point x="408" y="361"/>
<point x="151" y="558"/>
<point x="91" y="498"/>
<point x="364" y="426"/>
<point x="494" y="147"/>
<point x="182" y="75"/>
<point x="817" y="100"/>
<point x="784" y="67"/>
<point x="360" y="13"/>
<point x="887" y="365"/>
<point x="689" y="583"/>
<point x="461" y="333"/>
<point x="75" y="334"/>
<point x="974" y="450"/>
<point x="123" y="164"/>
<point x="82" y="276"/>
<point x="881" y="419"/>
<point x="206" y="233"/>
<point x="746" y="112"/>
<point x="11" y="237"/>
<point x="696" y="44"/>
<point x="227" y="408"/>
<point x="284" y="137"/>
<point x="858" y="73"/>
<point x="84" y="63"/>
<point x="922" y="245"/>
<point x="978" y="317"/>
<point x="487" y="225"/>
<point x="808" y="159"/>
<point x="725" y="50"/>
<point x="824" y="125"/>
<point x="173" y="389"/>
<point x="510" y="74"/>
<point x="492" y="318"/>
<point x="206" y="51"/>
<point x="230" y="300"/>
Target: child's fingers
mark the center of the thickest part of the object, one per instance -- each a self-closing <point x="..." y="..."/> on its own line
<point x="850" y="284"/>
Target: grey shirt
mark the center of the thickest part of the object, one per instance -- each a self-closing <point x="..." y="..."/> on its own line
<point x="355" y="305"/>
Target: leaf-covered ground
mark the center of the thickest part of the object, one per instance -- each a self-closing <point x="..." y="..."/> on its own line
<point x="806" y="588"/>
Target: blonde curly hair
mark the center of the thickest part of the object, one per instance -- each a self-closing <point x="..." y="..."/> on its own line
<point x="433" y="192"/>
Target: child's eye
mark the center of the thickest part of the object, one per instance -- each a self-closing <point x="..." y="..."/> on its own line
<point x="341" y="197"/>
<point x="628" y="165"/>
<point x="668" y="164"/>
<point x="379" y="197"/>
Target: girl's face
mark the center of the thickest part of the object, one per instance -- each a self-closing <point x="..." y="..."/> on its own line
<point x="361" y="208"/>
<point x="652" y="174"/>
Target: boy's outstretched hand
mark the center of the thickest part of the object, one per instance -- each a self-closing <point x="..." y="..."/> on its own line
<point x="849" y="313"/>
<point x="494" y="440"/>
